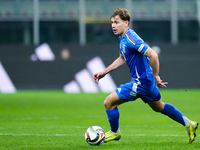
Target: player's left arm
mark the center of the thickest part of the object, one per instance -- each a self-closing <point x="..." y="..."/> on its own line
<point x="154" y="62"/>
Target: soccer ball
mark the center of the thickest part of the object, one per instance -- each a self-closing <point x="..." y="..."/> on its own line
<point x="94" y="135"/>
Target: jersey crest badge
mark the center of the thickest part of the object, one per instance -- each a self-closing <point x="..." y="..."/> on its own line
<point x="124" y="50"/>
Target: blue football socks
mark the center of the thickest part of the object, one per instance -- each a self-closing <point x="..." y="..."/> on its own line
<point x="113" y="118"/>
<point x="175" y="114"/>
<point x="169" y="110"/>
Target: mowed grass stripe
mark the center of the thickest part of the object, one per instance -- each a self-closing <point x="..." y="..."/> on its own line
<point x="13" y="134"/>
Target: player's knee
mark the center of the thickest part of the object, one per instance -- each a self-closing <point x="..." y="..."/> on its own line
<point x="107" y="103"/>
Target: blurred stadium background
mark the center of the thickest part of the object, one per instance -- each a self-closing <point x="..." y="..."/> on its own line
<point x="58" y="44"/>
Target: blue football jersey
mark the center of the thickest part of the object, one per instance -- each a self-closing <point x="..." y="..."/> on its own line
<point x="133" y="48"/>
<point x="142" y="85"/>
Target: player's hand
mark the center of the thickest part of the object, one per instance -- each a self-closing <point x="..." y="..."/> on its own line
<point x="159" y="82"/>
<point x="97" y="76"/>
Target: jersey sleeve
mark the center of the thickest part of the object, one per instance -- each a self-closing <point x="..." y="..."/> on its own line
<point x="135" y="43"/>
<point x="141" y="47"/>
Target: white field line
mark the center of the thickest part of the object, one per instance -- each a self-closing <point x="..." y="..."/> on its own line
<point x="61" y="135"/>
<point x="84" y="127"/>
<point x="48" y="127"/>
<point x="27" y="134"/>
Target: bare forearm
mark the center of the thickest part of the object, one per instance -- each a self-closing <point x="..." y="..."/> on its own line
<point x="155" y="65"/>
<point x="117" y="63"/>
<point x="154" y="62"/>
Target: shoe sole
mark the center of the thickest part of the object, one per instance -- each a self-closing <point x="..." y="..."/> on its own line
<point x="116" y="139"/>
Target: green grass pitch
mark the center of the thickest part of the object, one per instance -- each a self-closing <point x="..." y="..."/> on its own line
<point x="54" y="120"/>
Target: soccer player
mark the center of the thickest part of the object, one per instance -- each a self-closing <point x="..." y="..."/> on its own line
<point x="144" y="68"/>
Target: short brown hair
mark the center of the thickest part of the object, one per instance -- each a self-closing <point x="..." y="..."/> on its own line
<point x="123" y="14"/>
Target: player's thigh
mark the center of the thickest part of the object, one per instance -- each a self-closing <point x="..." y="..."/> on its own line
<point x="157" y="106"/>
<point x="112" y="101"/>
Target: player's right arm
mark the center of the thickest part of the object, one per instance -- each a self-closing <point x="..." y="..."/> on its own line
<point x="117" y="63"/>
<point x="154" y="62"/>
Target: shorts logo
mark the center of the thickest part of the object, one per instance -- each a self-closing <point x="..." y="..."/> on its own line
<point x="119" y="90"/>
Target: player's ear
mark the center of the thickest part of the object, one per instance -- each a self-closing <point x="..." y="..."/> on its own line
<point x="127" y="22"/>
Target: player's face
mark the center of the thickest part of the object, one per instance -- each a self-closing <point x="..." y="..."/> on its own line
<point x="119" y="26"/>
